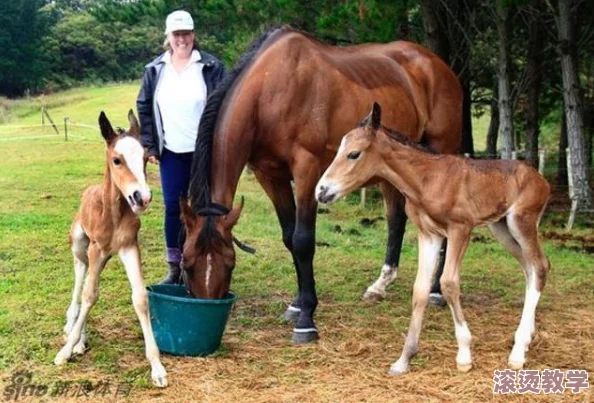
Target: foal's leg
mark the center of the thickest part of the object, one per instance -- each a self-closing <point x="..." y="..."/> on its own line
<point x="97" y="261"/>
<point x="524" y="229"/>
<point x="436" y="297"/>
<point x="80" y="244"/>
<point x="458" y="239"/>
<point x="429" y="246"/>
<point x="396" y="219"/>
<point x="279" y="190"/>
<point x="501" y="231"/>
<point x="130" y="257"/>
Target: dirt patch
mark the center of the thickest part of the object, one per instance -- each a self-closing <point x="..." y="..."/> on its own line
<point x="571" y="241"/>
<point x="368" y="222"/>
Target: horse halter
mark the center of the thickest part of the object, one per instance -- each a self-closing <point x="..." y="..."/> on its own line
<point x="217" y="210"/>
<point x="213" y="210"/>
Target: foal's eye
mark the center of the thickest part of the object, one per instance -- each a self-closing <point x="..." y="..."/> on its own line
<point x="353" y="155"/>
<point x="117" y="161"/>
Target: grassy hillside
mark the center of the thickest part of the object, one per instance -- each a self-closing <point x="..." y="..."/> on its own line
<point x="41" y="179"/>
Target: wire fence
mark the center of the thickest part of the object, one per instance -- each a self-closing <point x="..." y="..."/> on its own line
<point x="71" y="130"/>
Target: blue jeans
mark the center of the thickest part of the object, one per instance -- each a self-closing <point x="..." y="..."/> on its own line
<point x="175" y="181"/>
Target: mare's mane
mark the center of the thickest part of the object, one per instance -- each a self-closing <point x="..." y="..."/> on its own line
<point x="201" y="165"/>
<point x="199" y="192"/>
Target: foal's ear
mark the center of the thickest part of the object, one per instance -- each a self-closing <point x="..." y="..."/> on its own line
<point x="134" y="130"/>
<point x="376" y="116"/>
<point x="106" y="130"/>
<point x="233" y="216"/>
<point x="187" y="215"/>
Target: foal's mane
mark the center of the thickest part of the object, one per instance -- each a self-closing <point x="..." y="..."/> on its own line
<point x="401" y="138"/>
<point x="201" y="165"/>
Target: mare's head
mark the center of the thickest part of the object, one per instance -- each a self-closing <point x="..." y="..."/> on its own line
<point x="208" y="254"/>
<point x="126" y="162"/>
<point x="354" y="163"/>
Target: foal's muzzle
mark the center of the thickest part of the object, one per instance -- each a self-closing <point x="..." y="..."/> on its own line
<point x="323" y="194"/>
<point x="140" y="199"/>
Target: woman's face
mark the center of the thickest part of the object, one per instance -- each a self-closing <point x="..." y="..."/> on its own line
<point x="181" y="42"/>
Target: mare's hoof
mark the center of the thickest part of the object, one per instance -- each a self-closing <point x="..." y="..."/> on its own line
<point x="436" y="299"/>
<point x="291" y="314"/>
<point x="304" y="337"/>
<point x="371" y="296"/>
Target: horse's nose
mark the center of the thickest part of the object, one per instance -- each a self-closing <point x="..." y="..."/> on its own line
<point x="322" y="194"/>
<point x="147" y="197"/>
<point x="137" y="196"/>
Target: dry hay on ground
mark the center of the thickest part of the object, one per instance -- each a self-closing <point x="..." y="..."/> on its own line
<point x="350" y="362"/>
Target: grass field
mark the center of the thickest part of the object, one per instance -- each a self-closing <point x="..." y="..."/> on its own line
<point x="41" y="179"/>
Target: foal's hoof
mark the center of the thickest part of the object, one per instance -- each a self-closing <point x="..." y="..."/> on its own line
<point x="398" y="369"/>
<point x="291" y="314"/>
<point x="304" y="337"/>
<point x="515" y="365"/>
<point x="464" y="367"/>
<point x="80" y="348"/>
<point x="372" y="296"/>
<point x="160" y="379"/>
<point x="61" y="358"/>
<point x="436" y="299"/>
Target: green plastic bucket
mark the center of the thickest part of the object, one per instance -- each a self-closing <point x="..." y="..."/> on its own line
<point x="184" y="325"/>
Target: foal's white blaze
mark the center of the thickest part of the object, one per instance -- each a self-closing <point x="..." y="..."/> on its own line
<point x="133" y="154"/>
<point x="208" y="268"/>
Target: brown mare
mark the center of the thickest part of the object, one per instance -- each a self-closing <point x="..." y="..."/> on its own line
<point x="106" y="223"/>
<point x="282" y="111"/>
<point x="446" y="197"/>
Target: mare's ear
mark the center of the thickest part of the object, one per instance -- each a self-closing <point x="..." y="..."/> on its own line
<point x="187" y="215"/>
<point x="233" y="216"/>
<point x="134" y="130"/>
<point x="106" y="130"/>
<point x="376" y="116"/>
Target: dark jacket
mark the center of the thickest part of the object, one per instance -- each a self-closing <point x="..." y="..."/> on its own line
<point x="151" y="128"/>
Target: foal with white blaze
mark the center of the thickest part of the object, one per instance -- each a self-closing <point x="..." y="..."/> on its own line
<point x="446" y="197"/>
<point x="106" y="223"/>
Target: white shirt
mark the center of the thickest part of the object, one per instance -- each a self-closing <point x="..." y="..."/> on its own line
<point x="181" y="98"/>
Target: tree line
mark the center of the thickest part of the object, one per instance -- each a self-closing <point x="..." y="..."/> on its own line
<point x="523" y="62"/>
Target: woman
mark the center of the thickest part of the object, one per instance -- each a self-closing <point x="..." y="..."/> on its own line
<point x="170" y="104"/>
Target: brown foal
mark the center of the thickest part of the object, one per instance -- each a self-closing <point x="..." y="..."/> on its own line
<point x="106" y="223"/>
<point x="446" y="197"/>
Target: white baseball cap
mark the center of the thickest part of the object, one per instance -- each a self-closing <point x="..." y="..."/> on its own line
<point x="179" y="20"/>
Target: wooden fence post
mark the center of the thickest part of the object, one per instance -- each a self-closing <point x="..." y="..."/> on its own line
<point x="50" y="120"/>
<point x="363" y="196"/>
<point x="65" y="129"/>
